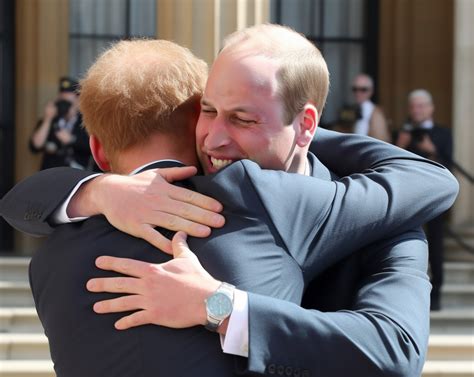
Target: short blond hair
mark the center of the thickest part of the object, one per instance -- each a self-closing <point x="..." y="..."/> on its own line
<point x="133" y="88"/>
<point x="302" y="76"/>
<point x="421" y="93"/>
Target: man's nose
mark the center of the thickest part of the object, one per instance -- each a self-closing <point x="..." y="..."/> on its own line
<point x="218" y="135"/>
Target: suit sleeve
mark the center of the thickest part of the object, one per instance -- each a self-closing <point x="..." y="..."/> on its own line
<point x="346" y="154"/>
<point x="384" y="333"/>
<point x="322" y="222"/>
<point x="28" y="205"/>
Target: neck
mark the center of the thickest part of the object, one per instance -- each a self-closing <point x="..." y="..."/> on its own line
<point x="300" y="163"/>
<point x="157" y="147"/>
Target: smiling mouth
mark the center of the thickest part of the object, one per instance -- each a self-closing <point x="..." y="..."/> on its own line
<point x="219" y="164"/>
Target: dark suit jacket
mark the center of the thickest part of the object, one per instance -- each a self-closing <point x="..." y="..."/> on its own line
<point x="77" y="151"/>
<point x="282" y="230"/>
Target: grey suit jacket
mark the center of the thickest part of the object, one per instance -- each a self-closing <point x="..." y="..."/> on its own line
<point x="282" y="231"/>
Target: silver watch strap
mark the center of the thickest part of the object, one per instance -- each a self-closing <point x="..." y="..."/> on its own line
<point x="227" y="289"/>
<point x="214" y="323"/>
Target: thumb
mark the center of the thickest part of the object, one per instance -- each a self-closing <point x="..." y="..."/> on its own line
<point x="180" y="246"/>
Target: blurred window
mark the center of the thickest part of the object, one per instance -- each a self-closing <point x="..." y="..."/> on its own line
<point x="346" y="33"/>
<point x="94" y="24"/>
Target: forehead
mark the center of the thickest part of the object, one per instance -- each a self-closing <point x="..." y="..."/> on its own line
<point x="419" y="101"/>
<point x="362" y="80"/>
<point x="242" y="74"/>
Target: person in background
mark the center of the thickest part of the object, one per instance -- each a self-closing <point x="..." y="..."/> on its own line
<point x="421" y="135"/>
<point x="371" y="120"/>
<point x="59" y="135"/>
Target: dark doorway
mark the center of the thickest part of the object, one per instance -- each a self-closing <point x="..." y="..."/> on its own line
<point x="7" y="113"/>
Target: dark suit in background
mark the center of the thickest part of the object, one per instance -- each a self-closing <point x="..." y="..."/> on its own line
<point x="282" y="231"/>
<point x="442" y="138"/>
<point x="73" y="154"/>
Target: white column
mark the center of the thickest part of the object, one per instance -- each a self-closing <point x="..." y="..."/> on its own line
<point x="463" y="106"/>
<point x="201" y="25"/>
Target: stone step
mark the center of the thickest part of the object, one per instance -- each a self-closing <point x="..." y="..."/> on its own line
<point x="14" y="268"/>
<point x="442" y="368"/>
<point x="26" y="368"/>
<point x="459" y="272"/>
<point x="15" y="294"/>
<point x="19" y="320"/>
<point x="456" y="254"/>
<point x="453" y="321"/>
<point x="451" y="347"/>
<point x="465" y="231"/>
<point x="451" y="242"/>
<point x="24" y="347"/>
<point x="457" y="296"/>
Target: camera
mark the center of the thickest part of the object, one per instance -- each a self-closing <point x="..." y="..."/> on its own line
<point x="417" y="133"/>
<point x="62" y="107"/>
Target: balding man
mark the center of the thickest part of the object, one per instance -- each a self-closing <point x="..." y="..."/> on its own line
<point x="426" y="138"/>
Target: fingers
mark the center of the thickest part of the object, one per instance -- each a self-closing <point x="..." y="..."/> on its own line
<point x="124" y="266"/>
<point x="179" y="244"/>
<point x="120" y="304"/>
<point x="188" y="196"/>
<point x="174" y="222"/>
<point x="180" y="247"/>
<point x="152" y="236"/>
<point x="114" y="285"/>
<point x="195" y="214"/>
<point x="178" y="174"/>
<point x="136" y="319"/>
<point x="192" y="197"/>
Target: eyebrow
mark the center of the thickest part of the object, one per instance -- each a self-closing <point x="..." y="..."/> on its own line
<point x="204" y="102"/>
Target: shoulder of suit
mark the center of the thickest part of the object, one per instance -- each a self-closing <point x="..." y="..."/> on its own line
<point x="247" y="165"/>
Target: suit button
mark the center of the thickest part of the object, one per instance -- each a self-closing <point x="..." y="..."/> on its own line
<point x="289" y="371"/>
<point x="306" y="373"/>
<point x="271" y="369"/>
<point x="280" y="370"/>
<point x="297" y="372"/>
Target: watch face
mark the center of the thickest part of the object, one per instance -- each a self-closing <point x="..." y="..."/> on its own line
<point x="219" y="305"/>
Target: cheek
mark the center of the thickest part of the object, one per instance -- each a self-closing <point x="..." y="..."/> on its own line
<point x="201" y="129"/>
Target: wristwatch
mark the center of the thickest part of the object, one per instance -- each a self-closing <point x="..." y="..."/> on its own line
<point x="219" y="306"/>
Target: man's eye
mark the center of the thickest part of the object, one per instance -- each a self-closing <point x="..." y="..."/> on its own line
<point x="245" y="121"/>
<point x="208" y="111"/>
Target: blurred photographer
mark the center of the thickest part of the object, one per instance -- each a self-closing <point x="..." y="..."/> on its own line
<point x="59" y="135"/>
<point x="371" y="120"/>
<point x="421" y="135"/>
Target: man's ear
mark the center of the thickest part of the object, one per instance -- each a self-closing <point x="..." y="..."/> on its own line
<point x="308" y="122"/>
<point x="98" y="153"/>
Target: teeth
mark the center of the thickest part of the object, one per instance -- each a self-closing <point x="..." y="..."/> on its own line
<point x="219" y="164"/>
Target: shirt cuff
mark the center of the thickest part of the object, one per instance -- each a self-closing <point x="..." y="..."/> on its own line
<point x="60" y="215"/>
<point x="236" y="340"/>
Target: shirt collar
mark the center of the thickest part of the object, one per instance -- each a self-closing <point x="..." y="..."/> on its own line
<point x="148" y="165"/>
<point x="427" y="124"/>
